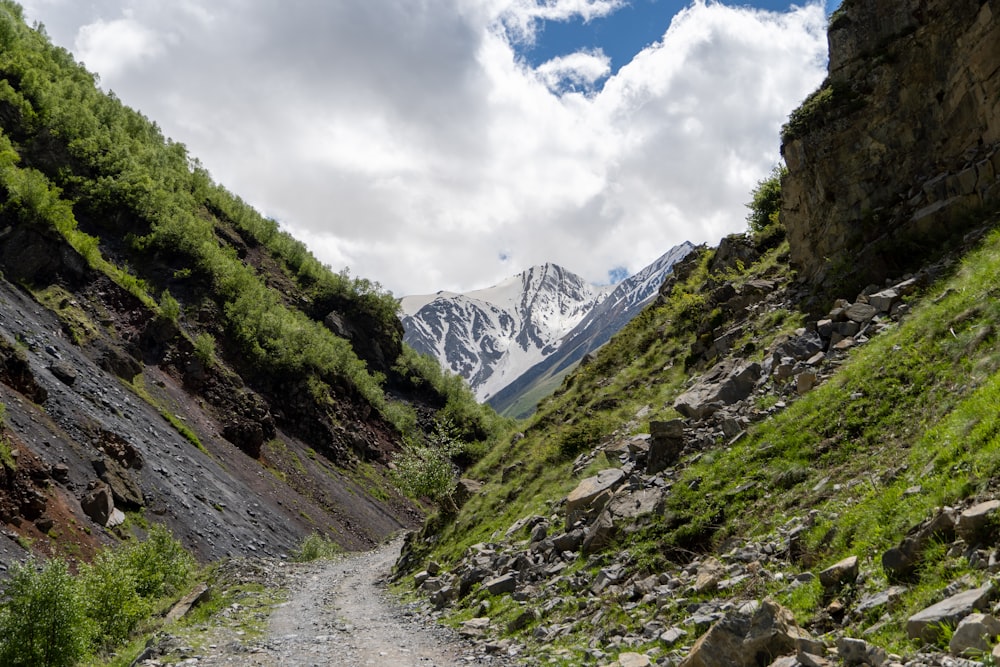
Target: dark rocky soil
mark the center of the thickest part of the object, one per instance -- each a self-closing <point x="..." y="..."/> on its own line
<point x="73" y="425"/>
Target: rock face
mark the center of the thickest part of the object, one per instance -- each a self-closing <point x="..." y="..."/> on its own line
<point x="908" y="120"/>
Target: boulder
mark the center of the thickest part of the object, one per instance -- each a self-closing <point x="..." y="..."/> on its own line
<point x="901" y="561"/>
<point x="726" y="383"/>
<point x="505" y="583"/>
<point x="746" y="638"/>
<point x="839" y="574"/>
<point x="974" y="635"/>
<point x="464" y="490"/>
<point x="634" y="660"/>
<point x="859" y="652"/>
<point x="926" y="625"/>
<point x="665" y="444"/>
<point x="98" y="504"/>
<point x="591" y="494"/>
<point x="978" y="522"/>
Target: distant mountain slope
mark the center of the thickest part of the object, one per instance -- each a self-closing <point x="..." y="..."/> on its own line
<point x="506" y="338"/>
<point x="491" y="336"/>
<point x="630" y="296"/>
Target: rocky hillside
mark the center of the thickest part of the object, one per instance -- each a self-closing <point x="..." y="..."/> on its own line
<point x="168" y="355"/>
<point x="768" y="466"/>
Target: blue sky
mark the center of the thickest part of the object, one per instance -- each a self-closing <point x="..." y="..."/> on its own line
<point x="623" y="33"/>
<point x="445" y="144"/>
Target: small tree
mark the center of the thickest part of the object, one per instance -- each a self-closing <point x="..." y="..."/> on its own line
<point x="43" y="623"/>
<point x="765" y="207"/>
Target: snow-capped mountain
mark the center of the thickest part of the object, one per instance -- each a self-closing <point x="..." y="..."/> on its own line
<point x="607" y="317"/>
<point x="492" y="337"/>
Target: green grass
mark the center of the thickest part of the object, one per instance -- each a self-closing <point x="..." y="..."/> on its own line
<point x="914" y="407"/>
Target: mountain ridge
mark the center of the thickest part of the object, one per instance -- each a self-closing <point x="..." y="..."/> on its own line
<point x="493" y="336"/>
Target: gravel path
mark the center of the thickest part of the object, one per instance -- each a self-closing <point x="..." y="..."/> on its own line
<point x="339" y="613"/>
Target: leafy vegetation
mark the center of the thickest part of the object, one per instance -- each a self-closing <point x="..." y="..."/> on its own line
<point x="763" y="220"/>
<point x="52" y="618"/>
<point x="73" y="158"/>
<point x="316" y="547"/>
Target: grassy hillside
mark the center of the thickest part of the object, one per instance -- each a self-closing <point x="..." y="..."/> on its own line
<point x="142" y="210"/>
<point x="905" y="424"/>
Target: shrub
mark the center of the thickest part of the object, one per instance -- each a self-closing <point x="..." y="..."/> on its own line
<point x="111" y="598"/>
<point x="169" y="307"/>
<point x="204" y="348"/>
<point x="316" y="547"/>
<point x="765" y="204"/>
<point x="160" y="564"/>
<point x="424" y="472"/>
<point x="43" y="623"/>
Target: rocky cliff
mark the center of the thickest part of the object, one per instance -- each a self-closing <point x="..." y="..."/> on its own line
<point x="901" y="144"/>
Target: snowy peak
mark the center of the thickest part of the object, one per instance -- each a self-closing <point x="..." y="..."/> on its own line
<point x="493" y="336"/>
<point x="489" y="336"/>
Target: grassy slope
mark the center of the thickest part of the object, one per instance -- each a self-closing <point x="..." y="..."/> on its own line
<point x="908" y="424"/>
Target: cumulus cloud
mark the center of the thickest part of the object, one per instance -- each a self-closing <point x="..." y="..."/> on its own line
<point x="580" y="70"/>
<point x="110" y="47"/>
<point x="411" y="143"/>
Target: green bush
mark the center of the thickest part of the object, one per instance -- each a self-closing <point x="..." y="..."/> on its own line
<point x="765" y="204"/>
<point x="160" y="564"/>
<point x="169" y="307"/>
<point x="316" y="547"/>
<point x="43" y="623"/>
<point x="111" y="598"/>
<point x="204" y="348"/>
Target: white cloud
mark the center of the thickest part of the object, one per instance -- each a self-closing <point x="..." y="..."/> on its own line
<point x="521" y="17"/>
<point x="408" y="141"/>
<point x="111" y="47"/>
<point x="577" y="70"/>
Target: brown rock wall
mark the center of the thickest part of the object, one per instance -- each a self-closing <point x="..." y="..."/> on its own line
<point x="901" y="142"/>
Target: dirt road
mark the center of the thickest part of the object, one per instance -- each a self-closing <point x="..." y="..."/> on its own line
<point x="339" y="613"/>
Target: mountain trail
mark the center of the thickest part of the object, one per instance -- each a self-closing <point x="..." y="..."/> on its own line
<point x="340" y="613"/>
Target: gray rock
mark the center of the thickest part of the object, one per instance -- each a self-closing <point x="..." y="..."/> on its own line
<point x="978" y="522"/>
<point x="738" y="639"/>
<point x="925" y="625"/>
<point x="974" y="634"/>
<point x="859" y="652"/>
<point x="726" y="383"/>
<point x="98" y="504"/>
<point x="838" y="574"/>
<point x="665" y="444"/>
<point x="505" y="583"/>
<point x="860" y="312"/>
<point x="588" y="495"/>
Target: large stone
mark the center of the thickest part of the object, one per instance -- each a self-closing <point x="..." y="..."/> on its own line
<point x="726" y="383"/>
<point x="859" y="652"/>
<point x="634" y="660"/>
<point x="590" y="495"/>
<point x="742" y="639"/>
<point x="665" y="444"/>
<point x="505" y="583"/>
<point x="860" y="312"/>
<point x="900" y="562"/>
<point x="599" y="534"/>
<point x="98" y="504"/>
<point x="839" y="574"/>
<point x="974" y="635"/>
<point x="979" y="521"/>
<point x="926" y="625"/>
